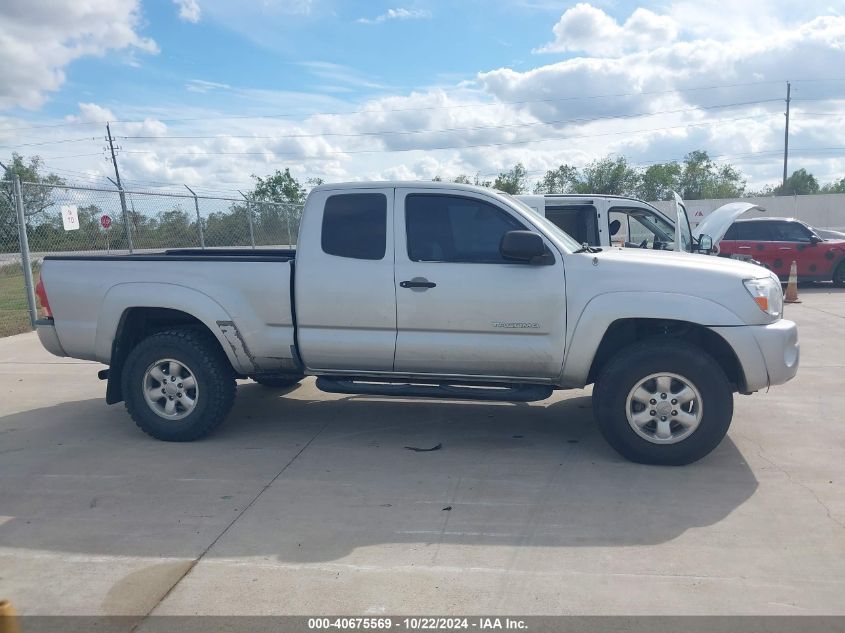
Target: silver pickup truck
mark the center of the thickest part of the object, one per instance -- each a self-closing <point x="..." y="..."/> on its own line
<point x="429" y="290"/>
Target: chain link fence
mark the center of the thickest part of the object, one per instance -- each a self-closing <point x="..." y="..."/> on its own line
<point x="88" y="220"/>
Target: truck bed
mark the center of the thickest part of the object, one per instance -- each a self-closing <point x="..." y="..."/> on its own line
<point x="243" y="296"/>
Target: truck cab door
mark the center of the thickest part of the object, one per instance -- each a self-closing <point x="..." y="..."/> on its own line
<point x="345" y="301"/>
<point x="461" y="308"/>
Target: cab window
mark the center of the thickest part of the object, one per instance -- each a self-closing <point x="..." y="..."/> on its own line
<point x="355" y="226"/>
<point x="444" y="228"/>
<point x="577" y="220"/>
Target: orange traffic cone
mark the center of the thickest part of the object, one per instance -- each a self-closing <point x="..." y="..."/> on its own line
<point x="792" y="287"/>
<point x="8" y="618"/>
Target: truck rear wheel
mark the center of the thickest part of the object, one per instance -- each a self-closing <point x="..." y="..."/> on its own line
<point x="663" y="402"/>
<point x="178" y="385"/>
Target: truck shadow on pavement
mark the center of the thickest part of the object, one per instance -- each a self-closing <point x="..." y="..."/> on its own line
<point x="310" y="477"/>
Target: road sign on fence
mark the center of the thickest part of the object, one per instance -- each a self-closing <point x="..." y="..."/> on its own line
<point x="105" y="221"/>
<point x="70" y="217"/>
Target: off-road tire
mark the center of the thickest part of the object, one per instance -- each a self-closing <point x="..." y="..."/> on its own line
<point x="639" y="360"/>
<point x="276" y="382"/>
<point x="214" y="377"/>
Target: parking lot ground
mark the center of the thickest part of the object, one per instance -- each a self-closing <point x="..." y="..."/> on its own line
<point x="309" y="503"/>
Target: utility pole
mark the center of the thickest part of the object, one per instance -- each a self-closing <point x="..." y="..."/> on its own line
<point x="786" y="135"/>
<point x="120" y="189"/>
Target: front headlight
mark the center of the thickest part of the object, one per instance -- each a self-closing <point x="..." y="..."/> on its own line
<point x="767" y="294"/>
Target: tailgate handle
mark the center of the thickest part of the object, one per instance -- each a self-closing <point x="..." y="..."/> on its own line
<point x="417" y="282"/>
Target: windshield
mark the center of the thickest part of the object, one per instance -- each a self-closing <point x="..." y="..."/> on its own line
<point x="568" y="241"/>
<point x="655" y="223"/>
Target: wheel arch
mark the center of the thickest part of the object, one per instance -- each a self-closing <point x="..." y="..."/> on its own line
<point x="624" y="332"/>
<point x="137" y="323"/>
<point x="612" y="319"/>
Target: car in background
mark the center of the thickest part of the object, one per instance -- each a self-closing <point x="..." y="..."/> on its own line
<point x="777" y="242"/>
<point x="827" y="234"/>
<point x="601" y="220"/>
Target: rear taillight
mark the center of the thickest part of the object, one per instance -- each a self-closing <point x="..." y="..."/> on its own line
<point x="42" y="297"/>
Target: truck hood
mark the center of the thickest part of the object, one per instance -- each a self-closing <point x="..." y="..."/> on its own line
<point x="715" y="279"/>
<point x="685" y="263"/>
<point x="719" y="221"/>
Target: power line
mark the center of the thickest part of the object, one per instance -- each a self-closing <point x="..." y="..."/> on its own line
<point x="458" y="129"/>
<point x="444" y="147"/>
<point x="65" y="140"/>
<point x="71" y="156"/>
<point x="422" y="108"/>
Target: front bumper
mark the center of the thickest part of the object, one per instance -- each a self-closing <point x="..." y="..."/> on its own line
<point x="778" y="343"/>
<point x="768" y="354"/>
<point x="49" y="338"/>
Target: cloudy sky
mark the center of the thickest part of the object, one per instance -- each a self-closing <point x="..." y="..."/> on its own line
<point x="207" y="92"/>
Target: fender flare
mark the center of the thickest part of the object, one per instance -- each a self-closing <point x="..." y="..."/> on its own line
<point x="605" y="309"/>
<point x="124" y="296"/>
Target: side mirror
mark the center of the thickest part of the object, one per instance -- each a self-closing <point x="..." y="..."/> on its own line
<point x="815" y="239"/>
<point x="705" y="244"/>
<point x="522" y="246"/>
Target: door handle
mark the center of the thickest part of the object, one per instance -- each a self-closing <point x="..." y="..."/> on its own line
<point x="417" y="282"/>
<point x="744" y="248"/>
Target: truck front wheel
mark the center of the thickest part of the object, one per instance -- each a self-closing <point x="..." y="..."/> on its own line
<point x="178" y="385"/>
<point x="663" y="402"/>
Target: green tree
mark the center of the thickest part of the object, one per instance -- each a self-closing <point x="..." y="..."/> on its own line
<point x="278" y="187"/>
<point x="834" y="187"/>
<point x="37" y="201"/>
<point x="658" y="181"/>
<point x="800" y="183"/>
<point x="611" y="176"/>
<point x="560" y="180"/>
<point x="276" y="222"/>
<point x="513" y="181"/>
<point x="702" y="178"/>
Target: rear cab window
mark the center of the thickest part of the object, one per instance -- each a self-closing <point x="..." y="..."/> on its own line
<point x="355" y="226"/>
<point x="577" y="220"/>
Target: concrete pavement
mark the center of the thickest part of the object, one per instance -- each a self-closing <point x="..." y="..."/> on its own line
<point x="308" y="503"/>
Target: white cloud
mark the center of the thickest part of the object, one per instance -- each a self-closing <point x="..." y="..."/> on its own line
<point x="341" y="74"/>
<point x="39" y="39"/>
<point x="538" y="116"/>
<point x="201" y="85"/>
<point x="397" y="14"/>
<point x="588" y="29"/>
<point x="189" y="10"/>
<point x="92" y="113"/>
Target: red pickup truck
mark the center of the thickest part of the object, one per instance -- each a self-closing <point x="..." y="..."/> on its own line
<point x="777" y="242"/>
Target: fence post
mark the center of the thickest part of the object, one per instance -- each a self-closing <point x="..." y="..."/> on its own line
<point x="199" y="219"/>
<point x="126" y="224"/>
<point x="249" y="219"/>
<point x="287" y="222"/>
<point x="24" y="243"/>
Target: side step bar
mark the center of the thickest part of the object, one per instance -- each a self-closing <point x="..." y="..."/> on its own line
<point x="505" y="393"/>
